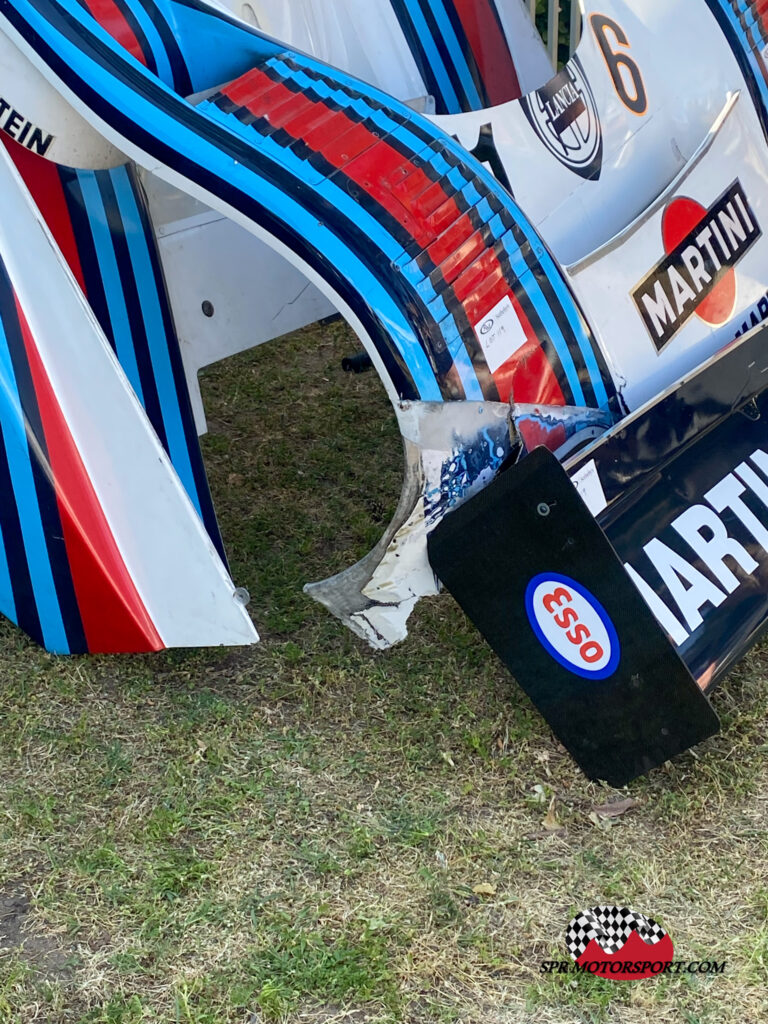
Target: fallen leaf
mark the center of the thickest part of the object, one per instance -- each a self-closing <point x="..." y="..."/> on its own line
<point x="616" y="808"/>
<point x="484" y="889"/>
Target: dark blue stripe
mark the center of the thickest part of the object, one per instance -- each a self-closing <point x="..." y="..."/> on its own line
<point x="54" y="621"/>
<point x="427" y="55"/>
<point x="749" y="61"/>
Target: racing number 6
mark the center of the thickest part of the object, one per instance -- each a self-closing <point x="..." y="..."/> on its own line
<point x="631" y="93"/>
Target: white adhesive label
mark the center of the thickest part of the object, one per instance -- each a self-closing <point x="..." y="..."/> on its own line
<point x="587" y="483"/>
<point x="500" y="334"/>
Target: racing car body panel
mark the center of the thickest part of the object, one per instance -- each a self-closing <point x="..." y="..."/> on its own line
<point x="447" y="282"/>
<point x="456" y="55"/>
<point x="100" y="222"/>
<point x="527" y="256"/>
<point x="102" y="549"/>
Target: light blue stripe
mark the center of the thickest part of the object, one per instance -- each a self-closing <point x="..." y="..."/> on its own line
<point x="303" y="169"/>
<point x="6" y="587"/>
<point x="155" y="41"/>
<point x="540" y="303"/>
<point x="751" y="57"/>
<point x="356" y="103"/>
<point x="457" y="54"/>
<point x="751" y="19"/>
<point x="458" y="180"/>
<point x="110" y="276"/>
<point x="157" y="337"/>
<point x="472" y="388"/>
<point x="436" y="65"/>
<point x="20" y="467"/>
<point x="174" y="134"/>
<point x="341" y="200"/>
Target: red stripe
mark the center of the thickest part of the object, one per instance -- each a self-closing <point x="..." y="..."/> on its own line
<point x="528" y="376"/>
<point x="490" y="48"/>
<point x="42" y="179"/>
<point x="112" y="20"/>
<point x="420" y="205"/>
<point x="114" y="617"/>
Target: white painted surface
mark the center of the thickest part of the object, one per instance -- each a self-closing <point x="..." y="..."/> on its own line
<point x="177" y="571"/>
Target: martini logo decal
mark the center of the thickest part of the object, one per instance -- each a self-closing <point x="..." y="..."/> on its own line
<point x="564" y="116"/>
<point x="629" y="945"/>
<point x="697" y="276"/>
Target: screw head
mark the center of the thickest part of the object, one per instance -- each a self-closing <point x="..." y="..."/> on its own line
<point x="543" y="509"/>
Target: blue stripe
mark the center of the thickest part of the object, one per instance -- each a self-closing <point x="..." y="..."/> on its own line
<point x="562" y="292"/>
<point x="378" y="234"/>
<point x="178" y="136"/>
<point x="528" y="281"/>
<point x="153" y="37"/>
<point x="457" y="179"/>
<point x="420" y="367"/>
<point x="457" y="54"/>
<point x="6" y="587"/>
<point x="450" y="99"/>
<point x="20" y="467"/>
<point x="749" y="53"/>
<point x="168" y="130"/>
<point x="156" y="334"/>
<point x="359" y="104"/>
<point x="472" y="389"/>
<point x="752" y="21"/>
<point x="110" y="276"/>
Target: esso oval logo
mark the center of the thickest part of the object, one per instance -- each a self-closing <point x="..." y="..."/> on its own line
<point x="572" y="626"/>
<point x="488" y="326"/>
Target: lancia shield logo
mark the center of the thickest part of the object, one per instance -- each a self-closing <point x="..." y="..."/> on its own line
<point x="564" y="116"/>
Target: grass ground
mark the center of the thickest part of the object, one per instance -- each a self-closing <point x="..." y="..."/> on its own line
<point x="312" y="832"/>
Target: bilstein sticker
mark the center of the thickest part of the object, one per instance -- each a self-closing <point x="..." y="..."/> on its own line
<point x="19" y="128"/>
<point x="697" y="276"/>
<point x="572" y="626"/>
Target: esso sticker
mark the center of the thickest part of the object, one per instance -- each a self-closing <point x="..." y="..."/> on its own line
<point x="572" y="626"/>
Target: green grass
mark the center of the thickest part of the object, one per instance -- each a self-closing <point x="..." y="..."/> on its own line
<point x="295" y="832"/>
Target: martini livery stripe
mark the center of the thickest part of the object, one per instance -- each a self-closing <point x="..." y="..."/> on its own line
<point x="145" y="31"/>
<point x="100" y="223"/>
<point x="745" y="24"/>
<point x="461" y="51"/>
<point x="415" y="236"/>
<point x="62" y="578"/>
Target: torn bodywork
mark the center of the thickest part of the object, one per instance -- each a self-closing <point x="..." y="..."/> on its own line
<point x="531" y="259"/>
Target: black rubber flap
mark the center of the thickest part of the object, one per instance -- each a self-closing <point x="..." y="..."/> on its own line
<point x="531" y="567"/>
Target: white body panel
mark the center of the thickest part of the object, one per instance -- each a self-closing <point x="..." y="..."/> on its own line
<point x="641" y="154"/>
<point x="174" y="566"/>
<point x="254" y="294"/>
<point x="366" y="40"/>
<point x="34" y="113"/>
<point x="606" y="283"/>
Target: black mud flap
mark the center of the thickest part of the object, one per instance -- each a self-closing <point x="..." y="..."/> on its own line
<point x="534" y="571"/>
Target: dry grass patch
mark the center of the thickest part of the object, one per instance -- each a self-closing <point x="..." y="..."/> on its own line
<point x="311" y="832"/>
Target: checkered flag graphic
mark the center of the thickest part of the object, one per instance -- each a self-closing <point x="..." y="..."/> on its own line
<point x="611" y="927"/>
